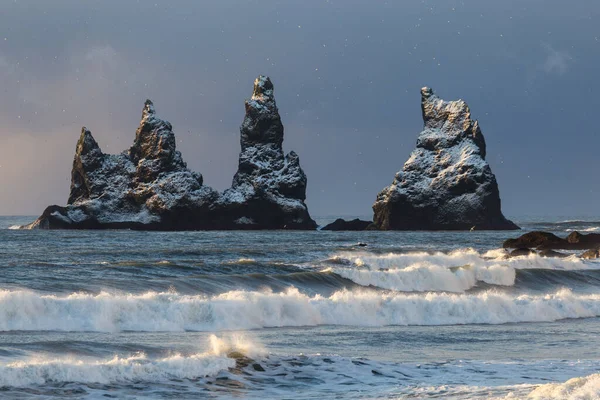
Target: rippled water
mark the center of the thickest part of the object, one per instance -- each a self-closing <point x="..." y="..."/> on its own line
<point x="125" y="314"/>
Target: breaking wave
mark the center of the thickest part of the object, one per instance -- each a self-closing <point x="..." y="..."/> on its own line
<point x="139" y="367"/>
<point x="152" y="311"/>
<point x="457" y="271"/>
<point x="460" y="258"/>
<point x="585" y="388"/>
<point x="430" y="277"/>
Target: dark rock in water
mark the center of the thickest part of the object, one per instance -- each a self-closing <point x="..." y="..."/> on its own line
<point x="150" y="187"/>
<point x="258" y="367"/>
<point x="446" y="184"/>
<point x="552" y="253"/>
<point x="591" y="240"/>
<point x="343" y="225"/>
<point x="533" y="240"/>
<point x="521" y="252"/>
<point x="591" y="254"/>
<point x="549" y="241"/>
<point x="269" y="188"/>
<point x="241" y="361"/>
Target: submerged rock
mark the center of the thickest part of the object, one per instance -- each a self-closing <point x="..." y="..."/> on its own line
<point x="552" y="253"/>
<point x="343" y="225"/>
<point x="150" y="187"/>
<point x="521" y="252"/>
<point x="446" y="184"/>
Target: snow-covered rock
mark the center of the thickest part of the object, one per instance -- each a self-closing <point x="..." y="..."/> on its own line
<point x="446" y="184"/>
<point x="269" y="187"/>
<point x="150" y="187"/>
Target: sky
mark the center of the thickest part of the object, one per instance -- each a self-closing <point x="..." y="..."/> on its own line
<point x="347" y="75"/>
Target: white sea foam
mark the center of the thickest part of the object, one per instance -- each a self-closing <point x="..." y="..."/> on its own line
<point x="14" y="227"/>
<point x="429" y="277"/>
<point x="133" y="368"/>
<point x="590" y="229"/>
<point x="38" y="371"/>
<point x="242" y="261"/>
<point x="22" y="310"/>
<point x="465" y="257"/>
<point x="457" y="271"/>
<point x="585" y="388"/>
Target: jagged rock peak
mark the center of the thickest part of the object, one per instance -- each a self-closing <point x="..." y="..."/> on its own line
<point x="263" y="89"/>
<point x="437" y="112"/>
<point x="150" y="120"/>
<point x="86" y="143"/>
<point x="149" y="110"/>
<point x="446" y="182"/>
<point x="88" y="157"/>
<point x="154" y="138"/>
<point x="447" y="122"/>
<point x="262" y="123"/>
<point x="150" y="186"/>
<point x="270" y="186"/>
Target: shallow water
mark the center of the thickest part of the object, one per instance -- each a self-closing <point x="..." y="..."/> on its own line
<point x="125" y="314"/>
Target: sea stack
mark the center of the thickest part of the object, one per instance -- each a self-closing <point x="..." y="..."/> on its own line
<point x="269" y="188"/>
<point x="446" y="184"/>
<point x="150" y="187"/>
<point x="147" y="187"/>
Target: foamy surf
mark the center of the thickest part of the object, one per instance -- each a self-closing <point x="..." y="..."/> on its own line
<point x="583" y="388"/>
<point x="135" y="368"/>
<point x="20" y="310"/>
<point x="420" y="278"/>
<point x="460" y="258"/>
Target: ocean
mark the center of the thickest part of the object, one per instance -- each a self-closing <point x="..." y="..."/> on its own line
<point x="295" y="315"/>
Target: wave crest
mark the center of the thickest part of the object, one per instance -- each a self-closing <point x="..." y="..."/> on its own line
<point x="457" y="271"/>
<point x="576" y="389"/>
<point x="38" y="371"/>
<point x="20" y="310"/>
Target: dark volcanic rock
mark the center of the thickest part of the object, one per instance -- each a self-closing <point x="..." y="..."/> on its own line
<point x="552" y="253"/>
<point x="591" y="240"/>
<point x="446" y="184"/>
<point x="533" y="240"/>
<point x="150" y="186"/>
<point x="521" y="252"/>
<point x="269" y="187"/>
<point x="343" y="225"/>
<point x="549" y="241"/>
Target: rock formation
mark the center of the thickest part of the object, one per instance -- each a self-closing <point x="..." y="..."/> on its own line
<point x="150" y="187"/>
<point x="446" y="184"/>
<point x="343" y="225"/>
<point x="269" y="187"/>
<point x="549" y="241"/>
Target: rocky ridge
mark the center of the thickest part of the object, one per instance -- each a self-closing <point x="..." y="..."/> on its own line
<point x="150" y="187"/>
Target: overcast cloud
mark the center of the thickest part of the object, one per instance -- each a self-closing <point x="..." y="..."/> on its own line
<point x="347" y="75"/>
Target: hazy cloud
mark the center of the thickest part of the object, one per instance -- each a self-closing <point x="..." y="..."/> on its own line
<point x="557" y="62"/>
